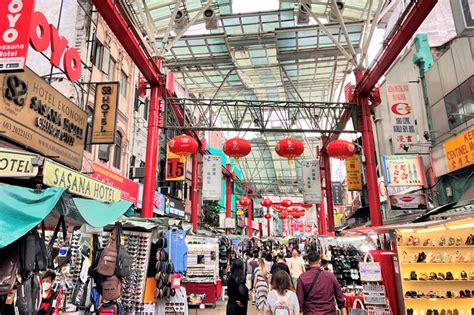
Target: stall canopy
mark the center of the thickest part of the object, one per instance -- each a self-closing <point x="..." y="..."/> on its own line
<point x="24" y="208"/>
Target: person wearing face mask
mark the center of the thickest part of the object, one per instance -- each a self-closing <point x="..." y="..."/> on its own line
<point x="48" y="294"/>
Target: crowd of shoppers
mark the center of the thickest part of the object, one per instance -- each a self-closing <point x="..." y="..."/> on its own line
<point x="281" y="285"/>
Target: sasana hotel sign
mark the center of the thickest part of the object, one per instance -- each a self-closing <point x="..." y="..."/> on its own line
<point x="37" y="116"/>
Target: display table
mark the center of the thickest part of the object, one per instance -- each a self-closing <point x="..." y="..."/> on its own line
<point x="207" y="288"/>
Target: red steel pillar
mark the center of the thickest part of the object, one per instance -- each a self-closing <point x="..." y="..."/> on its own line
<point x="195" y="192"/>
<point x="328" y="188"/>
<point x="369" y="152"/>
<point x="260" y="229"/>
<point x="249" y="218"/>
<point x="268" y="223"/>
<point x="151" y="153"/>
<point x="324" y="224"/>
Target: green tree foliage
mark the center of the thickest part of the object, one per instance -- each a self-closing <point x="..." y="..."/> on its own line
<point x="211" y="210"/>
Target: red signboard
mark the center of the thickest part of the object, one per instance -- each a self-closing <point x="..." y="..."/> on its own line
<point x="128" y="188"/>
<point x="15" y="18"/>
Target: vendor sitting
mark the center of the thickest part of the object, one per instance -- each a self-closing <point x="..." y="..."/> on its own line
<point x="48" y="294"/>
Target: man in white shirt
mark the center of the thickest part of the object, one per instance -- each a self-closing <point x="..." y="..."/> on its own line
<point x="296" y="265"/>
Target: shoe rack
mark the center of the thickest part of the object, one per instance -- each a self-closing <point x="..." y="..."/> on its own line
<point x="437" y="267"/>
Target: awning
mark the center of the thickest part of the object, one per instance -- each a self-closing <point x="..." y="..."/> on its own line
<point x="98" y="213"/>
<point x="22" y="209"/>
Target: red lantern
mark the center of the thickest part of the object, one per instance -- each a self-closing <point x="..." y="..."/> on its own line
<point x="237" y="148"/>
<point x="245" y="201"/>
<point x="286" y="203"/>
<point x="266" y="203"/>
<point x="268" y="216"/>
<point x="278" y="208"/>
<point x="341" y="149"/>
<point x="307" y="205"/>
<point x="289" y="148"/>
<point x="183" y="145"/>
<point x="283" y="215"/>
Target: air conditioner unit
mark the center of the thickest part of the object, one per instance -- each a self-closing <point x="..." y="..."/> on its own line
<point x="210" y="19"/>
<point x="138" y="172"/>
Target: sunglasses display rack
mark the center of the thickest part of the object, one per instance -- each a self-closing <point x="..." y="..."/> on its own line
<point x="437" y="268"/>
<point x="203" y="259"/>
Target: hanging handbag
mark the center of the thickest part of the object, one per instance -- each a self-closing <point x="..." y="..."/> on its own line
<point x="358" y="311"/>
<point x="8" y="268"/>
<point x="112" y="288"/>
<point x="108" y="260"/>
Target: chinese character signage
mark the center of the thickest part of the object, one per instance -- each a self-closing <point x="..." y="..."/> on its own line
<point x="35" y="115"/>
<point x="403" y="170"/>
<point x="311" y="182"/>
<point x="401" y="117"/>
<point x="129" y="189"/>
<point x="105" y="113"/>
<point x="15" y="19"/>
<point x="353" y="173"/>
<point x="212" y="177"/>
<point x="460" y="150"/>
<point x="175" y="166"/>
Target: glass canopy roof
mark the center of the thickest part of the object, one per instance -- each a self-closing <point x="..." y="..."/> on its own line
<point x="260" y="52"/>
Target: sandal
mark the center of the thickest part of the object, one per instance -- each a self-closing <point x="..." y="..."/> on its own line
<point x="423" y="276"/>
<point x="442" y="241"/>
<point x="440" y="276"/>
<point x="433" y="276"/>
<point x="463" y="275"/>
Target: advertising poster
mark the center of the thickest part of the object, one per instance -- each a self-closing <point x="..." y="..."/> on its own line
<point x="212" y="177"/>
<point x="175" y="166"/>
<point x="401" y="117"/>
<point x="408" y="202"/>
<point x="311" y="182"/>
<point x="354" y="173"/>
<point x="403" y="170"/>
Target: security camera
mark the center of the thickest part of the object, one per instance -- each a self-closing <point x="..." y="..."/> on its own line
<point x="303" y="13"/>
<point x="210" y="18"/>
<point x="180" y="20"/>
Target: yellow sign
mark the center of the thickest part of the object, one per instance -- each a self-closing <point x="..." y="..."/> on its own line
<point x="77" y="183"/>
<point x="105" y="113"/>
<point x="175" y="166"/>
<point x="13" y="164"/>
<point x="240" y="212"/>
<point x="460" y="150"/>
<point x="35" y="115"/>
<point x="354" y="173"/>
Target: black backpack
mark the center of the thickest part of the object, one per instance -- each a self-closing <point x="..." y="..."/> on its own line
<point x="8" y="268"/>
<point x="33" y="255"/>
<point x="28" y="296"/>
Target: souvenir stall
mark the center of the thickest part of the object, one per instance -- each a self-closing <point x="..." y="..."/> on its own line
<point x="363" y="262"/>
<point x="436" y="266"/>
<point x="201" y="281"/>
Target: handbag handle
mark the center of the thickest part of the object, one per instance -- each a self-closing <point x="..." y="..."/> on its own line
<point x="358" y="302"/>
<point x="367" y="256"/>
<point x="61" y="225"/>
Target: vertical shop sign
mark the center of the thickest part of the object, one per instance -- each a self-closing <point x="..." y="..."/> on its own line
<point x="354" y="173"/>
<point x="337" y="189"/>
<point x="212" y="177"/>
<point x="15" y="19"/>
<point x="311" y="182"/>
<point x="403" y="170"/>
<point x="175" y="166"/>
<point x="105" y="113"/>
<point x="401" y="117"/>
<point x="459" y="150"/>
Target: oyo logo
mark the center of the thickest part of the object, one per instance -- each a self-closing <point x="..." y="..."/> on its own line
<point x="43" y="35"/>
<point x="13" y="15"/>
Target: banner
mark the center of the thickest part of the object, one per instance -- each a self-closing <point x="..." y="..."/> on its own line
<point x="15" y="19"/>
<point x="311" y="182"/>
<point x="14" y="164"/>
<point x="403" y="170"/>
<point x="105" y="113"/>
<point x="258" y="210"/>
<point x="354" y="173"/>
<point x="35" y="115"/>
<point x="408" y="202"/>
<point x="459" y="150"/>
<point x="175" y="166"/>
<point x="401" y="117"/>
<point x="128" y="188"/>
<point x="212" y="177"/>
<point x="56" y="175"/>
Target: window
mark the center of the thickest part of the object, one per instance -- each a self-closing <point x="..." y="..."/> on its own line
<point x="87" y="144"/>
<point x="105" y="63"/>
<point x="133" y="158"/>
<point x="117" y="150"/>
<point x="97" y="53"/>
<point x="112" y="67"/>
<point x="460" y="103"/>
<point x="145" y="108"/>
<point x="123" y="83"/>
<point x="104" y="152"/>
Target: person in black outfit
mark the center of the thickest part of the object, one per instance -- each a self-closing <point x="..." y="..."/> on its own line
<point x="280" y="264"/>
<point x="48" y="294"/>
<point x="237" y="291"/>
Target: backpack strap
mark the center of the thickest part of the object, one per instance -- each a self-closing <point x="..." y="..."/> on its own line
<point x="61" y="225"/>
<point x="307" y="292"/>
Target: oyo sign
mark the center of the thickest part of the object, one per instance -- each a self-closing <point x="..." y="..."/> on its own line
<point x="43" y="35"/>
<point x="15" y="16"/>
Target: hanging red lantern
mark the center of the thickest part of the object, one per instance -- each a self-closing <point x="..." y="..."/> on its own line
<point x="283" y="215"/>
<point x="268" y="216"/>
<point x="286" y="203"/>
<point x="278" y="208"/>
<point x="266" y="203"/>
<point x="237" y="148"/>
<point x="307" y="205"/>
<point x="183" y="145"/>
<point x="245" y="201"/>
<point x="289" y="148"/>
<point x="341" y="149"/>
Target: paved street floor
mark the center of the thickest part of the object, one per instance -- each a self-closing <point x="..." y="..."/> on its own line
<point x="220" y="309"/>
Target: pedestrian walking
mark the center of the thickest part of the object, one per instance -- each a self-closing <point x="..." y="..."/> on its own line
<point x="237" y="291"/>
<point x="261" y="284"/>
<point x="282" y="300"/>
